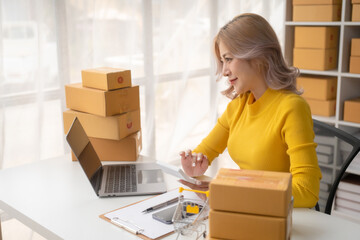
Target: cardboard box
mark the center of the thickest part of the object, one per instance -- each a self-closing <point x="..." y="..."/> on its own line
<point x="354" y="64"/>
<point x="325" y="108"/>
<point x="102" y="103"/>
<point x="316" y="37"/>
<point x="317" y="87"/>
<point x="229" y="225"/>
<point x="356" y="12"/>
<point x="251" y="191"/>
<point x="113" y="127"/>
<point x="315" y="59"/>
<point x="126" y="149"/>
<point x="106" y="78"/>
<point x="315" y="2"/>
<point x="355" y="47"/>
<point x="352" y="110"/>
<point x="317" y="13"/>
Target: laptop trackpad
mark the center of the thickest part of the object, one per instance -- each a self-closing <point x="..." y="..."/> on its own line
<point x="149" y="176"/>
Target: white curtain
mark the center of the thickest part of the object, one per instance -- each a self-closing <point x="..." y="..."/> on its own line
<point x="45" y="44"/>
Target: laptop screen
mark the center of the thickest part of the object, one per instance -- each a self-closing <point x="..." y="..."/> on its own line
<point x="83" y="149"/>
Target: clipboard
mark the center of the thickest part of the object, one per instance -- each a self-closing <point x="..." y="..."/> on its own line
<point x="140" y="224"/>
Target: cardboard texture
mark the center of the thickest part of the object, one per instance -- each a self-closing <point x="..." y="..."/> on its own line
<point x="325" y="108"/>
<point x="354" y="64"/>
<point x="317" y="87"/>
<point x="314" y="13"/>
<point x="315" y="59"/>
<point x="126" y="149"/>
<point x="106" y="78"/>
<point x="229" y="225"/>
<point x="251" y="191"/>
<point x="355" y="12"/>
<point x="102" y="103"/>
<point x="352" y="110"/>
<point x="355" y="47"/>
<point x="315" y="2"/>
<point x="355" y="1"/>
<point x="316" y="37"/>
<point x="114" y="127"/>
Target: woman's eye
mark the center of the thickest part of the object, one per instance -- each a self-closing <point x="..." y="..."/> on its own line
<point x="227" y="59"/>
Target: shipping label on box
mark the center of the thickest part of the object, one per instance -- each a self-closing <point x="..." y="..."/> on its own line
<point x="355" y="47"/>
<point x="324" y="108"/>
<point x="106" y="78"/>
<point x="354" y="64"/>
<point x="251" y="191"/>
<point x="113" y="127"/>
<point x="316" y="87"/>
<point x="352" y="110"/>
<point x="314" y="13"/>
<point x="315" y="59"/>
<point x="100" y="102"/>
<point x="230" y="225"/>
<point x="355" y="13"/>
<point x="316" y="37"/>
<point x="126" y="149"/>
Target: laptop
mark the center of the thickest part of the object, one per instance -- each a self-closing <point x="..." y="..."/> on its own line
<point x="116" y="179"/>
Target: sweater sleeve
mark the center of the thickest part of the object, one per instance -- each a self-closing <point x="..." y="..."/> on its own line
<point x="216" y="142"/>
<point x="299" y="136"/>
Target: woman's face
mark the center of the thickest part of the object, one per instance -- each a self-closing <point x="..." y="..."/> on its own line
<point x="240" y="73"/>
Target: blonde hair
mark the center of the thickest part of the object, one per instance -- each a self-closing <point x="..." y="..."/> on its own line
<point x="249" y="37"/>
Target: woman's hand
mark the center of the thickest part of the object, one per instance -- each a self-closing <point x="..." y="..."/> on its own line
<point x="194" y="164"/>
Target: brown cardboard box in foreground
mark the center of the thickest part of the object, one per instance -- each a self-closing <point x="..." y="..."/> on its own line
<point x="315" y="59"/>
<point x="317" y="87"/>
<point x="352" y="110"/>
<point x="316" y="37"/>
<point x="126" y="149"/>
<point x="229" y="225"/>
<point x="314" y="13"/>
<point x="114" y="127"/>
<point x="100" y="102"/>
<point x="322" y="107"/>
<point x="355" y="46"/>
<point x="106" y="78"/>
<point x="251" y="191"/>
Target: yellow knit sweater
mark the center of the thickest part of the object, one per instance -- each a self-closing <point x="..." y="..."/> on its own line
<point x="274" y="133"/>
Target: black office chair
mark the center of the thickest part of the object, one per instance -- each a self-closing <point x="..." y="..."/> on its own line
<point x="336" y="149"/>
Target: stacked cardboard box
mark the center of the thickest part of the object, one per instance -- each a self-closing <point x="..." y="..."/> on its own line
<point x="320" y="93"/>
<point x="250" y="204"/>
<point x="355" y="55"/>
<point x="317" y="10"/>
<point x="316" y="48"/>
<point x="352" y="110"/>
<point x="355" y="11"/>
<point x="108" y="107"/>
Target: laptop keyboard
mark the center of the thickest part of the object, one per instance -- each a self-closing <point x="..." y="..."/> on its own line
<point x="121" y="178"/>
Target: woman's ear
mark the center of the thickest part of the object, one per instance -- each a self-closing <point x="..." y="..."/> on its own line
<point x="257" y="65"/>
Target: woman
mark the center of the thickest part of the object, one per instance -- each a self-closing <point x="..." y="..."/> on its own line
<point x="267" y="125"/>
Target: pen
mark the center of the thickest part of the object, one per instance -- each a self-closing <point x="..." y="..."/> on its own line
<point x="161" y="205"/>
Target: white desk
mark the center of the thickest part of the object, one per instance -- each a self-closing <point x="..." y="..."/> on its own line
<point x="55" y="199"/>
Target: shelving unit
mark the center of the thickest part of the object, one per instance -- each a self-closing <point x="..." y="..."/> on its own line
<point x="348" y="84"/>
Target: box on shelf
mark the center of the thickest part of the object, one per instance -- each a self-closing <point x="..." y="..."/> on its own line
<point x="100" y="102"/>
<point x="352" y="110"/>
<point x="355" y="12"/>
<point x="267" y="193"/>
<point x="355" y="47"/>
<point x="315" y="13"/>
<point x="324" y="108"/>
<point x="317" y="87"/>
<point x="354" y="64"/>
<point x="114" y="127"/>
<point x="106" y="78"/>
<point x="315" y="59"/>
<point x="315" y="2"/>
<point x="230" y="225"/>
<point x="126" y="149"/>
<point x="316" y="37"/>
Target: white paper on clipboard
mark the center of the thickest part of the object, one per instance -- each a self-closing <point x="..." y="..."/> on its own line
<point x="132" y="219"/>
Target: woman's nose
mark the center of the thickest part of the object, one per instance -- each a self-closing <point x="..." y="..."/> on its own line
<point x="225" y="71"/>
